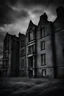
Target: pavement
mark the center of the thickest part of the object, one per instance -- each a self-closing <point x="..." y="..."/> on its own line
<point x="30" y="87"/>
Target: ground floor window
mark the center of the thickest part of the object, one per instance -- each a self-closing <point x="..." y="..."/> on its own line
<point x="43" y="72"/>
<point x="43" y="59"/>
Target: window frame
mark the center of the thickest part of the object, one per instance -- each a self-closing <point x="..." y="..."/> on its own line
<point x="31" y="31"/>
<point x="42" y="45"/>
<point x="42" y="59"/>
<point x="42" y="30"/>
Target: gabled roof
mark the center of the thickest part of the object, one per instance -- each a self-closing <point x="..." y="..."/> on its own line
<point x="31" y="24"/>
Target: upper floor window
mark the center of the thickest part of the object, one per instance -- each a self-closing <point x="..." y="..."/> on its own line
<point x="42" y="45"/>
<point x="31" y="49"/>
<point x="42" y="31"/>
<point x="31" y="35"/>
<point x="43" y="59"/>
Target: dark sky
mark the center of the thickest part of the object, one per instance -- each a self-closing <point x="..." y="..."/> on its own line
<point x="15" y="15"/>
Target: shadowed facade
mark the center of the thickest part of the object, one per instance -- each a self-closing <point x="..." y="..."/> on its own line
<point x="40" y="53"/>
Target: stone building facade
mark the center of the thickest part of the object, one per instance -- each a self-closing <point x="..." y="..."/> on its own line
<point x="41" y="51"/>
<point x="47" y="57"/>
<point x="10" y="56"/>
<point x="59" y="41"/>
<point x="44" y="48"/>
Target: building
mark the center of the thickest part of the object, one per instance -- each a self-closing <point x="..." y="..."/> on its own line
<point x="59" y="41"/>
<point x="45" y="47"/>
<point x="10" y="56"/>
<point x="39" y="53"/>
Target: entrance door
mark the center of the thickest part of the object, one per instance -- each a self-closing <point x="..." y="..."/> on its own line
<point x="30" y="64"/>
<point x="43" y="73"/>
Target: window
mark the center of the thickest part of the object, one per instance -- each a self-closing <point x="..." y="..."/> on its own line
<point x="22" y="63"/>
<point x="42" y="45"/>
<point x="31" y="49"/>
<point x="44" y="72"/>
<point x="31" y="36"/>
<point x="22" y="52"/>
<point x="43" y="57"/>
<point x="42" y="30"/>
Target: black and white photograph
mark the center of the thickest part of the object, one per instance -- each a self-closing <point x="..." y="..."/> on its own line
<point x="31" y="47"/>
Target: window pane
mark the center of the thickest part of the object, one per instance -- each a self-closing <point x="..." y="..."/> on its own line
<point x="31" y="36"/>
<point x="42" y="32"/>
<point x="43" y="59"/>
<point x="42" y="45"/>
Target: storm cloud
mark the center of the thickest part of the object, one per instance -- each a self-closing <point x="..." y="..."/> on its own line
<point x="16" y="14"/>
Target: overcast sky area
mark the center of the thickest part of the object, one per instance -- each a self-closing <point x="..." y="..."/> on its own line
<point x="16" y="14"/>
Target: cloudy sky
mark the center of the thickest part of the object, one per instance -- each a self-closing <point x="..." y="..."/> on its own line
<point x="16" y="14"/>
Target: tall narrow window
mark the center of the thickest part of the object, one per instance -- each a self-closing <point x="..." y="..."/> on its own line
<point x="42" y="45"/>
<point x="31" y="36"/>
<point x="42" y="31"/>
<point x="43" y="59"/>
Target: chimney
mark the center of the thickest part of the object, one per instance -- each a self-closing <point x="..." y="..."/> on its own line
<point x="44" y="17"/>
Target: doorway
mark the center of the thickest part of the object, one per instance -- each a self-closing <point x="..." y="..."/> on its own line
<point x="30" y="66"/>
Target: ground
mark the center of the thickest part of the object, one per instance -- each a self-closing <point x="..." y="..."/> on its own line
<point x="30" y="87"/>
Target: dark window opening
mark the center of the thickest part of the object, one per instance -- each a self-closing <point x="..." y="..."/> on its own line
<point x="42" y="45"/>
<point x="43" y="59"/>
<point x="31" y="35"/>
<point x="42" y="31"/>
